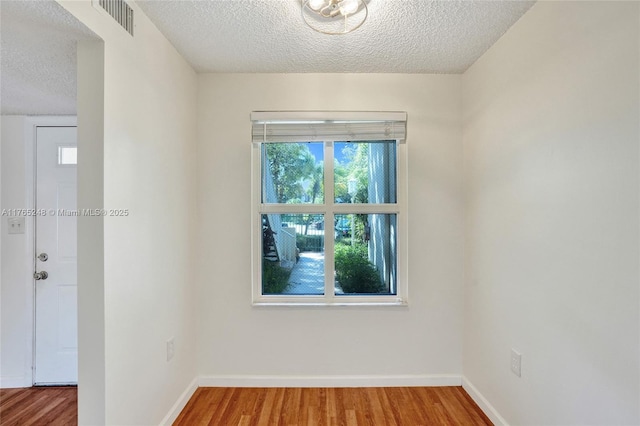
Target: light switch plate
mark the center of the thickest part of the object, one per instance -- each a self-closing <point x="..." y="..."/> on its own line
<point x="516" y="363"/>
<point x="16" y="225"/>
<point x="170" y="349"/>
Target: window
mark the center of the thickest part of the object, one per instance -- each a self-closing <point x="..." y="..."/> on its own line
<point x="67" y="155"/>
<point x="330" y="222"/>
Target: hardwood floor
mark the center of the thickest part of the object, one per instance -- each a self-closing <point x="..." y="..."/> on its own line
<point x="331" y="406"/>
<point x="270" y="406"/>
<point x="39" y="406"/>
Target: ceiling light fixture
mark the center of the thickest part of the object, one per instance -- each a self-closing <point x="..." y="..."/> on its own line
<point x="334" y="16"/>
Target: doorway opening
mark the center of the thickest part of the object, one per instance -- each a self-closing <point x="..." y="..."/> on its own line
<point x="56" y="257"/>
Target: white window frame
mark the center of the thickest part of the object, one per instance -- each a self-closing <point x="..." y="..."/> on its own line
<point x="329" y="209"/>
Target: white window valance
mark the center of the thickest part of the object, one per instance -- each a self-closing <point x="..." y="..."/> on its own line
<point x="312" y="126"/>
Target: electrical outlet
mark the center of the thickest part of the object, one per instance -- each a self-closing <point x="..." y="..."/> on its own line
<point x="170" y="349"/>
<point x="516" y="362"/>
<point x="16" y="225"/>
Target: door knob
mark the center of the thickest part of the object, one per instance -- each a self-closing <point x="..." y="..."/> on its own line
<point x="40" y="275"/>
<point x="43" y="257"/>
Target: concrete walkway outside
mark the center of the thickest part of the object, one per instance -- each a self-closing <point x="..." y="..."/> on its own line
<point x="307" y="276"/>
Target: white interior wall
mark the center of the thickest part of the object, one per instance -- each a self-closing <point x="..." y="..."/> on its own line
<point x="16" y="292"/>
<point x="91" y="254"/>
<point x="148" y="160"/>
<point x="2" y="332"/>
<point x="241" y="344"/>
<point x="551" y="131"/>
<point x="15" y="349"/>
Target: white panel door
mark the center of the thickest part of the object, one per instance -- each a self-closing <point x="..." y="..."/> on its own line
<point x="56" y="342"/>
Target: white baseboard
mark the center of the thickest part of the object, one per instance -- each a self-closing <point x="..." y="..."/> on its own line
<point x="177" y="408"/>
<point x="482" y="402"/>
<point x="14" y="382"/>
<point x="242" y="381"/>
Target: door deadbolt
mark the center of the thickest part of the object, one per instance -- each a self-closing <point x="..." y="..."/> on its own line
<point x="43" y="257"/>
<point x="40" y="275"/>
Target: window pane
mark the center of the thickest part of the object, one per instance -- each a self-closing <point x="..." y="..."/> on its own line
<point x="365" y="172"/>
<point x="293" y="254"/>
<point x="365" y="254"/>
<point x="67" y="155"/>
<point x="292" y="173"/>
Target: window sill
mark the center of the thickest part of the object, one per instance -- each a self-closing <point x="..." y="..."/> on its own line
<point x="396" y="303"/>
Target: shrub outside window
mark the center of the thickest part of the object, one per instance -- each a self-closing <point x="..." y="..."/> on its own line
<point x="330" y="221"/>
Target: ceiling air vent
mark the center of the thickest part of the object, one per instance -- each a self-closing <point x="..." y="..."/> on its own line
<point x="118" y="10"/>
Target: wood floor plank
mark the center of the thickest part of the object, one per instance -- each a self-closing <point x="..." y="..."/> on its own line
<point x="364" y="408"/>
<point x="274" y="418"/>
<point x="29" y="408"/>
<point x="332" y="406"/>
<point x="264" y="415"/>
<point x="46" y="412"/>
<point x="352" y="420"/>
<point x="39" y="406"/>
<point x="427" y="400"/>
<point x="296" y="406"/>
<point x="309" y="401"/>
<point x="375" y="406"/>
<point x="453" y="405"/>
<point x="331" y="411"/>
<point x="220" y="414"/>
<point x="477" y="415"/>
<point x="200" y="417"/>
<point x="398" y="405"/>
<point x="12" y="397"/>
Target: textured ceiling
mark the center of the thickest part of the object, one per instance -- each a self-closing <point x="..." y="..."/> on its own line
<point x="405" y="36"/>
<point x="38" y="41"/>
<point x="38" y="58"/>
